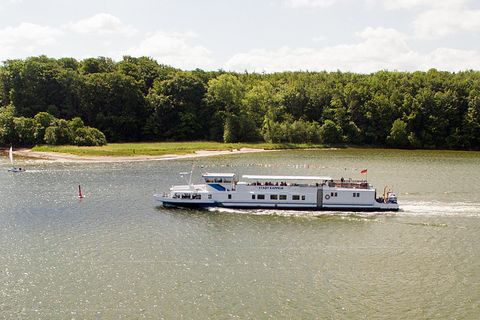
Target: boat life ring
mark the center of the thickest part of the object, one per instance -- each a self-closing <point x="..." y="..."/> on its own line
<point x="327" y="196"/>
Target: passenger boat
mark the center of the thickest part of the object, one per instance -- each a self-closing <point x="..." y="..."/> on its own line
<point x="279" y="192"/>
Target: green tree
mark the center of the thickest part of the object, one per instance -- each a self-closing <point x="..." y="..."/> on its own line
<point x="398" y="134"/>
<point x="330" y="132"/>
<point x="224" y="99"/>
<point x="25" y="130"/>
<point x="7" y="125"/>
<point x="97" y="65"/>
<point x="59" y="134"/>
<point x="76" y="123"/>
<point x="177" y="110"/>
<point x="42" y="121"/>
<point x="471" y="123"/>
<point x="87" y="136"/>
<point x="113" y="103"/>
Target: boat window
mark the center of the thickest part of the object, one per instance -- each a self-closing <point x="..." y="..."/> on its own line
<point x="229" y="196"/>
<point x="273" y="197"/>
<point x="303" y="197"/>
<point x="261" y="197"/>
<point x="227" y="181"/>
<point x="209" y="196"/>
<point x="283" y="197"/>
<point x="253" y="196"/>
<point x="295" y="197"/>
<point x="336" y="194"/>
<point x="332" y="194"/>
<point x="354" y="194"/>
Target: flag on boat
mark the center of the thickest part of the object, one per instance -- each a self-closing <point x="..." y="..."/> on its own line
<point x="364" y="171"/>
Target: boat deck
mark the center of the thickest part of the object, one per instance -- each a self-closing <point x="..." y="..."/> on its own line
<point x="349" y="184"/>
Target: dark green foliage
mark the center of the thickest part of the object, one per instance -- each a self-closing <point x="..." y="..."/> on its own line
<point x="114" y="103"/>
<point x="87" y="136"/>
<point x="177" y="110"/>
<point x="97" y="65"/>
<point x="330" y="132"/>
<point x="43" y="120"/>
<point x="60" y="133"/>
<point x="145" y="70"/>
<point x="398" y="134"/>
<point x="25" y="129"/>
<point x="7" y="125"/>
<point x="138" y="99"/>
<point x="45" y="128"/>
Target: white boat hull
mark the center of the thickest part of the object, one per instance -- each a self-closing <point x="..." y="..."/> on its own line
<point x="179" y="203"/>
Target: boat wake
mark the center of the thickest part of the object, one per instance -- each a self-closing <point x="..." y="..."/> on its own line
<point x="297" y="213"/>
<point x="423" y="208"/>
<point x="438" y="208"/>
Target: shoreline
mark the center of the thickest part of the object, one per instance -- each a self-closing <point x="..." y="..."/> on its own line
<point x="67" y="157"/>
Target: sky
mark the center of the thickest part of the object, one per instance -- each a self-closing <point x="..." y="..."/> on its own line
<point x="361" y="36"/>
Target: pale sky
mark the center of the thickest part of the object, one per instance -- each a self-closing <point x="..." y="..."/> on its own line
<point x="238" y="35"/>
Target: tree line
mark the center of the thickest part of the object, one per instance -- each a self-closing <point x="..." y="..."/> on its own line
<point x="44" y="128"/>
<point x="138" y="99"/>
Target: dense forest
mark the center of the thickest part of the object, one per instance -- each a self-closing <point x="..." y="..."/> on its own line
<point x="137" y="99"/>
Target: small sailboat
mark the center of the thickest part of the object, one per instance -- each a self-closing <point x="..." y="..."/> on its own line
<point x="13" y="168"/>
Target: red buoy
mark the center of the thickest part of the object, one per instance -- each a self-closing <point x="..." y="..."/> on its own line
<point x="80" y="195"/>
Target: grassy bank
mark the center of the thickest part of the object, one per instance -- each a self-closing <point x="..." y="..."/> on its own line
<point x="164" y="148"/>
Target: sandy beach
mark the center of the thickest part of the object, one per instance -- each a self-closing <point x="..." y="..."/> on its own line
<point x="66" y="157"/>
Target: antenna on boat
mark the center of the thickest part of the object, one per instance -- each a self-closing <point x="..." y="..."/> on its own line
<point x="191" y="174"/>
<point x="183" y="174"/>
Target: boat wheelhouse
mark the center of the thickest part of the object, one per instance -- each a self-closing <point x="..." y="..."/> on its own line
<point x="279" y="192"/>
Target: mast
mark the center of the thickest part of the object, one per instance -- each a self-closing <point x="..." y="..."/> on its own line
<point x="10" y="155"/>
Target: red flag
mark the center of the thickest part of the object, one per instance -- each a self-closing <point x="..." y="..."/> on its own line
<point x="364" y="171"/>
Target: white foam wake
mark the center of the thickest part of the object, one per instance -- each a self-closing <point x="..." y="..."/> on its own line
<point x="298" y="213"/>
<point x="430" y="208"/>
<point x="467" y="209"/>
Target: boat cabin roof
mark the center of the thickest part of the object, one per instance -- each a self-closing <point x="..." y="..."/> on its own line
<point x="262" y="177"/>
<point x="218" y="175"/>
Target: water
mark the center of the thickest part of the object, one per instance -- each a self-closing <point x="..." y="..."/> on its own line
<point x="116" y="254"/>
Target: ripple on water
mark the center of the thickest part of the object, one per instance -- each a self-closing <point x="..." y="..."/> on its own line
<point x="115" y="254"/>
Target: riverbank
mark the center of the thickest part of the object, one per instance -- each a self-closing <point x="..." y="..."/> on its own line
<point x="65" y="157"/>
<point x="122" y="152"/>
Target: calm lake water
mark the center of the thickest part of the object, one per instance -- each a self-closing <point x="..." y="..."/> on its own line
<point x="116" y="254"/>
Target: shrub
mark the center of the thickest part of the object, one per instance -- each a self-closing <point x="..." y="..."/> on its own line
<point x="88" y="136"/>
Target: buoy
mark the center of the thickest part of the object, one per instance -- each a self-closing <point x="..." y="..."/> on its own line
<point x="80" y="194"/>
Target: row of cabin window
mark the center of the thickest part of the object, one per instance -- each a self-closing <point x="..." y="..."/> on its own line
<point x="276" y="197"/>
<point x="218" y="180"/>
<point x="188" y="196"/>
<point x="355" y="194"/>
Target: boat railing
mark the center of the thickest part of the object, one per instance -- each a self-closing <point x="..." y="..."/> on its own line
<point x="353" y="184"/>
<point x="350" y="184"/>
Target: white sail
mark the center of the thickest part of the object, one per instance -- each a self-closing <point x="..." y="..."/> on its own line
<point x="10" y="154"/>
